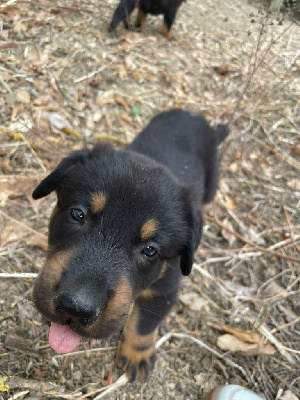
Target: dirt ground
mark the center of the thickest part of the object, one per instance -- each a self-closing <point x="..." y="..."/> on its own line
<point x="65" y="83"/>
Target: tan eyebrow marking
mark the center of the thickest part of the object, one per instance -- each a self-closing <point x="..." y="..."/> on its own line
<point x="98" y="202"/>
<point x="148" y="229"/>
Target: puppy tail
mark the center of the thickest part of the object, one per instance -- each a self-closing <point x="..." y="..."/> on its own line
<point x="222" y="132"/>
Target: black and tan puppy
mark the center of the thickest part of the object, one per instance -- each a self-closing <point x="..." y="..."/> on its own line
<point x="166" y="7"/>
<point x="126" y="226"/>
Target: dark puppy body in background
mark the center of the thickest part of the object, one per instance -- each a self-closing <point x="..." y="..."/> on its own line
<point x="126" y="226"/>
<point x="166" y="7"/>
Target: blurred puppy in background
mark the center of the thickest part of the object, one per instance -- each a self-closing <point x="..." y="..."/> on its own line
<point x="166" y="7"/>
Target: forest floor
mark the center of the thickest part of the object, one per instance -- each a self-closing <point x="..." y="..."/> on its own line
<point x="66" y="83"/>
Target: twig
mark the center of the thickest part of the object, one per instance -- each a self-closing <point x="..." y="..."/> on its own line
<point x="278" y="152"/>
<point x="279" y="328"/>
<point x="13" y="382"/>
<point x="24" y="275"/>
<point x="282" y="349"/>
<point x="85" y="351"/>
<point x="225" y="251"/>
<point x="111" y="388"/>
<point x="5" y="85"/>
<point x="91" y="74"/>
<point x="249" y="242"/>
<point x="203" y="345"/>
<point x="8" y="3"/>
<point x="33" y="152"/>
<point x="293" y="238"/>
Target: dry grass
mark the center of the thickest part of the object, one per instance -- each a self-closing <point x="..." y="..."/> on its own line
<point x="63" y="84"/>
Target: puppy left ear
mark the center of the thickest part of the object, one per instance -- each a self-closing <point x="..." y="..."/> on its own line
<point x="50" y="183"/>
<point x="194" y="224"/>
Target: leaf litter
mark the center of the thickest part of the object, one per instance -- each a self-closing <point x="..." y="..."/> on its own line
<point x="65" y="83"/>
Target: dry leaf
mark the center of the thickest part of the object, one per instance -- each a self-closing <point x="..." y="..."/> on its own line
<point x="123" y="102"/>
<point x="19" y="27"/>
<point x="254" y="236"/>
<point x="289" y="395"/>
<point x="57" y="121"/>
<point x="227" y="235"/>
<point x="122" y="72"/>
<point x="16" y="342"/>
<point x="13" y="186"/>
<point x="13" y="232"/>
<point x="201" y="378"/>
<point x="108" y="121"/>
<point x="23" y="95"/>
<point x="239" y="289"/>
<point x="273" y="289"/>
<point x="35" y="240"/>
<point x="294" y="184"/>
<point x="129" y="61"/>
<point x="127" y="46"/>
<point x="229" y="202"/>
<point x="100" y="101"/>
<point x="233" y="167"/>
<point x="229" y="342"/>
<point x="241" y="334"/>
<point x="296" y="150"/>
<point x="23" y="124"/>
<point x="223" y="69"/>
<point x="224" y="188"/>
<point x="193" y="300"/>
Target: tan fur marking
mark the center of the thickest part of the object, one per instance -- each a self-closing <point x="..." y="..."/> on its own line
<point x="148" y="294"/>
<point x="116" y="312"/>
<point x="98" y="202"/>
<point x="52" y="271"/>
<point x="166" y="32"/>
<point x="133" y="342"/>
<point x="163" y="270"/>
<point x="148" y="229"/>
<point x="56" y="263"/>
<point x="141" y="17"/>
<point x="123" y="297"/>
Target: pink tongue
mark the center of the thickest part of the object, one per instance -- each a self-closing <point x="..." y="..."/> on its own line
<point x="62" y="339"/>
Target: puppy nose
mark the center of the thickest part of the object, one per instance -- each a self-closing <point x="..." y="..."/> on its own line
<point x="79" y="307"/>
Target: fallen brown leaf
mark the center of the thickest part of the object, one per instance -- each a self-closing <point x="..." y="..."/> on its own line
<point x="273" y="289"/>
<point x="229" y="342"/>
<point x="123" y="102"/>
<point x="227" y="235"/>
<point x="23" y="95"/>
<point x="12" y="233"/>
<point x="13" y="186"/>
<point x="289" y="395"/>
<point x="193" y="300"/>
<point x="229" y="202"/>
<point x="239" y="289"/>
<point x="241" y="334"/>
<point x="296" y="150"/>
<point x="16" y="342"/>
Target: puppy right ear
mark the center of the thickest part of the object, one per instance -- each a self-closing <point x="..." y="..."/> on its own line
<point x="51" y="182"/>
<point x="194" y="224"/>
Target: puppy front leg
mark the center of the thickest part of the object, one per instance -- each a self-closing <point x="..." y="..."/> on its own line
<point x="169" y="18"/>
<point x="136" y="350"/>
<point x="122" y="13"/>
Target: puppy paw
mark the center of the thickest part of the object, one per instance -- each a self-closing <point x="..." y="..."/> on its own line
<point x="137" y="357"/>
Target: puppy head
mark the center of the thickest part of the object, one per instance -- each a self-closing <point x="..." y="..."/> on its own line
<point x="119" y="217"/>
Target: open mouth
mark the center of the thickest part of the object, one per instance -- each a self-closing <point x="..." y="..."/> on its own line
<point x="62" y="339"/>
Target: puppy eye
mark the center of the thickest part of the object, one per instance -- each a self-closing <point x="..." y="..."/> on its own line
<point x="149" y="251"/>
<point x="78" y="215"/>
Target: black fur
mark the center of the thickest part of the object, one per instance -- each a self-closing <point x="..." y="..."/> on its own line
<point x="166" y="7"/>
<point x="164" y="175"/>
